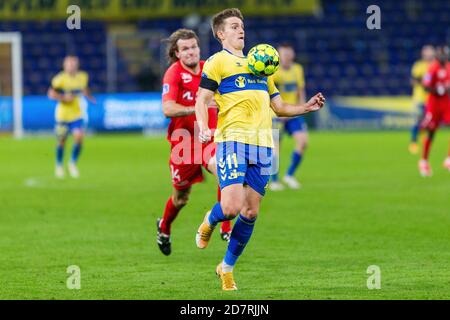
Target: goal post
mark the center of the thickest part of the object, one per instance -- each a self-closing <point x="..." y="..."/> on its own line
<point x="14" y="39"/>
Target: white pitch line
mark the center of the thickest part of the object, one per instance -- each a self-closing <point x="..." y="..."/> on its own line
<point x="31" y="182"/>
<point x="57" y="184"/>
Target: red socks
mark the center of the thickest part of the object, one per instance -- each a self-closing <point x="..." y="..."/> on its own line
<point x="170" y="213"/>
<point x="427" y="146"/>
<point x="449" y="148"/>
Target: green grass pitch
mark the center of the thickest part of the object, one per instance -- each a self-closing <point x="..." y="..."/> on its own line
<point x="362" y="203"/>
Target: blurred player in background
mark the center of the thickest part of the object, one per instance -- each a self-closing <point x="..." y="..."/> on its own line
<point x="67" y="88"/>
<point x="437" y="83"/>
<point x="419" y="96"/>
<point x="290" y="80"/>
<point x="243" y="136"/>
<point x="180" y="85"/>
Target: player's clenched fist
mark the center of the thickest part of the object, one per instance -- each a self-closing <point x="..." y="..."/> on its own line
<point x="316" y="102"/>
<point x="204" y="135"/>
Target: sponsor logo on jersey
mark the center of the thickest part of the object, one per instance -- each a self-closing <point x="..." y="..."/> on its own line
<point x="240" y="82"/>
<point x="186" y="77"/>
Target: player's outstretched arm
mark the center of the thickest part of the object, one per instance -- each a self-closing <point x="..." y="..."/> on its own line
<point x="283" y="109"/>
<point x="204" y="98"/>
<point x="171" y="109"/>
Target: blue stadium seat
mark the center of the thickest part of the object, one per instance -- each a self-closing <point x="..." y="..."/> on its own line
<point x="339" y="54"/>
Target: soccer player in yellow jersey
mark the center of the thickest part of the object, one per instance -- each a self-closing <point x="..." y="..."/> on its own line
<point x="67" y="87"/>
<point x="290" y="80"/>
<point x="243" y="136"/>
<point x="419" y="69"/>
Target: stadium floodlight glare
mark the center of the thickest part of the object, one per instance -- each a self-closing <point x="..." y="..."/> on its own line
<point x="15" y="39"/>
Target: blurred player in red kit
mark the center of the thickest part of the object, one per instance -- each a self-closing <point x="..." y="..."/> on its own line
<point x="437" y="83"/>
<point x="188" y="155"/>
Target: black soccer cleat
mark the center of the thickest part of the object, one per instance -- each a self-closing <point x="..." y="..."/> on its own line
<point x="225" y="236"/>
<point x="162" y="239"/>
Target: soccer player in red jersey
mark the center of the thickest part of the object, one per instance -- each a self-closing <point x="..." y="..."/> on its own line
<point x="437" y="83"/>
<point x="188" y="155"/>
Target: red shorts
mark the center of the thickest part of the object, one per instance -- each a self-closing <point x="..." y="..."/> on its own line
<point x="435" y="115"/>
<point x="184" y="175"/>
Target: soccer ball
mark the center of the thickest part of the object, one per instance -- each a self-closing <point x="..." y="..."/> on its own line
<point x="263" y="60"/>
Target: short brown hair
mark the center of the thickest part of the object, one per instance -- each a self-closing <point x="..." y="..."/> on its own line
<point x="218" y="20"/>
<point x="172" y="46"/>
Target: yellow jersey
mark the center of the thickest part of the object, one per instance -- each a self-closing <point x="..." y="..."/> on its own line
<point x="418" y="71"/>
<point x="243" y="100"/>
<point x="290" y="82"/>
<point x="65" y="83"/>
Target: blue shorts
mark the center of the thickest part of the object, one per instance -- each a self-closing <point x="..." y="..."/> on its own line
<point x="62" y="129"/>
<point x="295" y="125"/>
<point x="239" y="163"/>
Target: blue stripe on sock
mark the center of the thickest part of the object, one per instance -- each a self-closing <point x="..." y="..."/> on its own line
<point x="247" y="220"/>
<point x="242" y="231"/>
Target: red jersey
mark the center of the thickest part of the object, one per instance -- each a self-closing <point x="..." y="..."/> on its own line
<point x="181" y="86"/>
<point x="438" y="78"/>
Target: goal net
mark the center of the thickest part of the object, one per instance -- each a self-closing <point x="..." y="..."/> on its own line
<point x="11" y="83"/>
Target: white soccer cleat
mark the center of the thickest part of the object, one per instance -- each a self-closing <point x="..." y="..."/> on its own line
<point x="425" y="169"/>
<point x="73" y="170"/>
<point x="447" y="163"/>
<point x="276" y="186"/>
<point x="59" y="172"/>
<point x="291" y="182"/>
